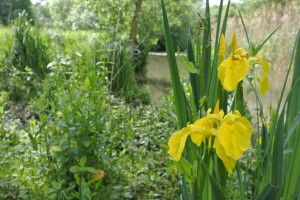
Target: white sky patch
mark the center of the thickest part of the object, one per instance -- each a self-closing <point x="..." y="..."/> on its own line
<point x="39" y="1"/>
<point x="217" y="2"/>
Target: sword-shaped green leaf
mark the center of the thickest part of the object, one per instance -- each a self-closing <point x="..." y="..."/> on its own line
<point x="179" y="96"/>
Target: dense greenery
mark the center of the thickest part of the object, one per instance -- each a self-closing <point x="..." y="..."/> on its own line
<point x="66" y="125"/>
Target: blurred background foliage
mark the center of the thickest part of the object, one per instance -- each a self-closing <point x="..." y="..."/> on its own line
<point x="97" y="15"/>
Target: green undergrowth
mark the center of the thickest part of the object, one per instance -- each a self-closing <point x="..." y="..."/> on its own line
<point x="77" y="126"/>
<point x="74" y="126"/>
<point x="127" y="143"/>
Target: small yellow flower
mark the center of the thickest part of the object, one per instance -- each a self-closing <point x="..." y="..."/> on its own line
<point x="234" y="69"/>
<point x="98" y="175"/>
<point x="234" y="137"/>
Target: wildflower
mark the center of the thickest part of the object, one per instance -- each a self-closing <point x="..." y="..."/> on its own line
<point x="205" y="127"/>
<point x="234" y="69"/>
<point x="233" y="139"/>
<point x="232" y="135"/>
<point x="201" y="129"/>
<point x="98" y="175"/>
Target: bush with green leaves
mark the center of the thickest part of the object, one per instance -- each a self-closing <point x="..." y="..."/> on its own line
<point x="84" y="120"/>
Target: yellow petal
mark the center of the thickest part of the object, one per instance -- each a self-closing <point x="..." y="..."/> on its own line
<point x="264" y="84"/>
<point x="197" y="137"/>
<point x="235" y="135"/>
<point x="221" y="71"/>
<point x="264" y="64"/>
<point x="201" y="129"/>
<point x="258" y="57"/>
<point x="177" y="142"/>
<point x="241" y="68"/>
<point x="239" y="51"/>
<point x="205" y="127"/>
<point x="222" y="45"/>
<point x="217" y="107"/>
<point x="231" y="72"/>
<point x="234" y="42"/>
<point x="228" y="162"/>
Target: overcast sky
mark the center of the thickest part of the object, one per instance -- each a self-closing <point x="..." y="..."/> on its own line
<point x="217" y="2"/>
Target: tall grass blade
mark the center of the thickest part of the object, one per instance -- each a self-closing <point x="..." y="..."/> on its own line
<point x="215" y="187"/>
<point x="277" y="162"/>
<point x="194" y="78"/>
<point x="206" y="51"/>
<point x="179" y="96"/>
<point x="292" y="181"/>
<point x="257" y="50"/>
<point x="184" y="190"/>
<point x="244" y="26"/>
<point x="275" y="119"/>
<point x="292" y="129"/>
<point x="214" y="78"/>
<point x="225" y="19"/>
<point x="268" y="193"/>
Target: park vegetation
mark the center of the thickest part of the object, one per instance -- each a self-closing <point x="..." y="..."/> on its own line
<point x="76" y="119"/>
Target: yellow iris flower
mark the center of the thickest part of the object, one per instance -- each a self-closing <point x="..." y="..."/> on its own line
<point x="232" y="136"/>
<point x="198" y="131"/>
<point x="233" y="69"/>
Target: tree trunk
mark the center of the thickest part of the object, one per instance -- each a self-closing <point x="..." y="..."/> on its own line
<point x="135" y="21"/>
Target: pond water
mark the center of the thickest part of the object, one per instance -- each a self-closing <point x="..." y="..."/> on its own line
<point x="159" y="82"/>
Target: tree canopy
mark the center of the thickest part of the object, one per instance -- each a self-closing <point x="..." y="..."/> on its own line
<point x="115" y="17"/>
<point x="10" y="9"/>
